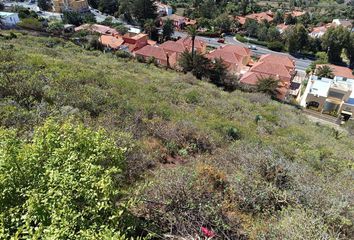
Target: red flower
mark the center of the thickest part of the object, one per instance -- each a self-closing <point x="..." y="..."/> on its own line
<point x="208" y="233"/>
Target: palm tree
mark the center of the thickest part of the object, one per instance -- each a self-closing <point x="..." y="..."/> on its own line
<point x="149" y="27"/>
<point x="192" y="32"/>
<point x="268" y="85"/>
<point x="324" y="71"/>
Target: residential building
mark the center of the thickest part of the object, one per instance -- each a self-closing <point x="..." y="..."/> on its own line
<point x="294" y="14"/>
<point x="343" y="22"/>
<point x="279" y="59"/>
<point x="282" y="27"/>
<point x="318" y="32"/>
<point x="332" y="95"/>
<point x="275" y="66"/>
<point x="235" y="57"/>
<point x="70" y="5"/>
<point x="135" y="42"/>
<point x="262" y="16"/>
<point x="9" y="19"/>
<point x="101" y="29"/>
<point x="163" y="9"/>
<point x="178" y="21"/>
<point x="161" y="57"/>
<point x="111" y="42"/>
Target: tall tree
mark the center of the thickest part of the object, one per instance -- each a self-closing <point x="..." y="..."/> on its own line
<point x="192" y="32"/>
<point x="218" y="72"/>
<point x="197" y="64"/>
<point x="44" y="5"/>
<point x="268" y="86"/>
<point x="350" y="50"/>
<point x="143" y="10"/>
<point x="334" y="41"/>
<point x="149" y="27"/>
<point x="167" y="29"/>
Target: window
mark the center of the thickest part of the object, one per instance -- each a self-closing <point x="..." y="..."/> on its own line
<point x="335" y="95"/>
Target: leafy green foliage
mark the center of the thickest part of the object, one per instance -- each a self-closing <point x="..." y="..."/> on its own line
<point x="62" y="183"/>
<point x="324" y="71"/>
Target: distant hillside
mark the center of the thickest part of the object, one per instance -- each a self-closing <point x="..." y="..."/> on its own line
<point x="197" y="161"/>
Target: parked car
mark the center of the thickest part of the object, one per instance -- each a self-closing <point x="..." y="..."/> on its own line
<point x="252" y="47"/>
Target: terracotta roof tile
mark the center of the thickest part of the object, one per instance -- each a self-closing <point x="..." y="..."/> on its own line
<point x="278" y="59"/>
<point x="173" y="46"/>
<point x="111" y="41"/>
<point x="272" y="69"/>
<point x="150" y="51"/>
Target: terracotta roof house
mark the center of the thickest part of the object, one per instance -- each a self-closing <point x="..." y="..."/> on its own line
<point x="199" y="45"/>
<point x="318" y="32"/>
<point x="241" y="20"/>
<point x="173" y="47"/>
<point x="101" y="29"/>
<point x="149" y="51"/>
<point x="111" y="42"/>
<point x="295" y="13"/>
<point x="178" y="21"/>
<point x="135" y="42"/>
<point x="234" y="56"/>
<point x="162" y="57"/>
<point x="282" y="27"/>
<point x="273" y="69"/>
<point x="280" y="59"/>
<point x="275" y="66"/>
<point x="259" y="17"/>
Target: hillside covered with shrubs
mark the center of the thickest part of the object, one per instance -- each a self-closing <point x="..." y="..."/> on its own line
<point x="93" y="146"/>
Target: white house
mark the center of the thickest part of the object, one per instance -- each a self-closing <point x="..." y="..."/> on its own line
<point x="163" y="9"/>
<point x="9" y="19"/>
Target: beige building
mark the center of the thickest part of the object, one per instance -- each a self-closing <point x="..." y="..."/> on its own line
<point x="70" y="5"/>
<point x="332" y="96"/>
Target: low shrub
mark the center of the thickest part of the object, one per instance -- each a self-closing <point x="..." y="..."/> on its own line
<point x="275" y="46"/>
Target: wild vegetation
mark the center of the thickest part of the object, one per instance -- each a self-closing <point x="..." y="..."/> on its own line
<point x="98" y="147"/>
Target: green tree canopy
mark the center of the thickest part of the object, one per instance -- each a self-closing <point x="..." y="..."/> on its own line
<point x="334" y="41"/>
<point x="324" y="71"/>
<point x="268" y="85"/>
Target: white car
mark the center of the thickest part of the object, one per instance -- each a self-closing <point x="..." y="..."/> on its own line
<point x="253" y="47"/>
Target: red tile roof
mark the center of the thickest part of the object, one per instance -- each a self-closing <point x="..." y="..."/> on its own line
<point x="339" y="70"/>
<point x="150" y="51"/>
<point x="173" y="46"/>
<point x="261" y="16"/>
<point x="187" y="42"/>
<point x="111" y="41"/>
<point x="273" y="69"/>
<point x="241" y="20"/>
<point x="228" y="57"/>
<point x="278" y="59"/>
<point x="251" y="78"/>
<point x="243" y="51"/>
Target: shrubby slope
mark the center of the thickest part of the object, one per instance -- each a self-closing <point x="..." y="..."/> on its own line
<point x="238" y="164"/>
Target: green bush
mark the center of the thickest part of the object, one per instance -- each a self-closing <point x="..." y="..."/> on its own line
<point x="275" y="46"/>
<point x="31" y="23"/>
<point x="59" y="183"/>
